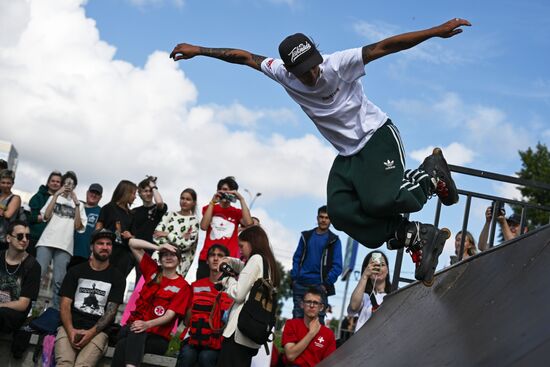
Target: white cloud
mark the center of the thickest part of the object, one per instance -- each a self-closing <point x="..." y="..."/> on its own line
<point x="455" y="153"/>
<point x="507" y="191"/>
<point x="66" y="103"/>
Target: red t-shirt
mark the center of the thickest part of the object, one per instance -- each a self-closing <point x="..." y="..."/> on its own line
<point x="223" y="229"/>
<point x="318" y="349"/>
<point x="155" y="299"/>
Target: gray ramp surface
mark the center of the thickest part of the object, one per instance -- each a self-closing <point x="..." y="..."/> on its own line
<point x="491" y="310"/>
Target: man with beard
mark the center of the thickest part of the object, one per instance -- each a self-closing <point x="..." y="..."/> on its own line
<point x="82" y="338"/>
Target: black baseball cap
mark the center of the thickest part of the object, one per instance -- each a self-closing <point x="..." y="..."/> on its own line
<point x="299" y="54"/>
<point x="103" y="233"/>
<point x="514" y="219"/>
<point x="95" y="187"/>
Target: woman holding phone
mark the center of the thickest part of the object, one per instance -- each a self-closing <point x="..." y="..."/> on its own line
<point x="237" y="349"/>
<point x="64" y="215"/>
<point x="371" y="289"/>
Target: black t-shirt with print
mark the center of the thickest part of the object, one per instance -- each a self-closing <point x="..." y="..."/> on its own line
<point x="19" y="280"/>
<point x="145" y="221"/>
<point x="90" y="291"/>
<point x="110" y="214"/>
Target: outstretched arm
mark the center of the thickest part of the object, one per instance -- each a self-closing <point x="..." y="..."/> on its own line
<point x="185" y="51"/>
<point x="407" y="40"/>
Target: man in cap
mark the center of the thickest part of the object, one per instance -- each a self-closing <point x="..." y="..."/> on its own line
<point x="510" y="227"/>
<point x="90" y="295"/>
<point x="368" y="187"/>
<point x="82" y="239"/>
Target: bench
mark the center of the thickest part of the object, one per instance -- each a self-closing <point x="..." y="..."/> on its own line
<point x="8" y="361"/>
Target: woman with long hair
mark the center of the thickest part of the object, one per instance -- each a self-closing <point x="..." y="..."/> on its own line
<point x="470" y="248"/>
<point x="238" y="350"/>
<point x="9" y="204"/>
<point x="181" y="229"/>
<point x="116" y="216"/>
<point x="371" y="289"/>
<point x="164" y="296"/>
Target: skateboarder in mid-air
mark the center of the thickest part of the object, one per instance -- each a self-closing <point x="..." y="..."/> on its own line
<point x="368" y="187"/>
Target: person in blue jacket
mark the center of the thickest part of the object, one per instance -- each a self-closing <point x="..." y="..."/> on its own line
<point x="316" y="263"/>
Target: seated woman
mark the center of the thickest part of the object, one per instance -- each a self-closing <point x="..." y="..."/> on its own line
<point x="469" y="247"/>
<point x="237" y="349"/>
<point x="371" y="289"/>
<point x="164" y="296"/>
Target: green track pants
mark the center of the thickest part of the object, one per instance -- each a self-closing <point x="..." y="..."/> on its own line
<point x="368" y="191"/>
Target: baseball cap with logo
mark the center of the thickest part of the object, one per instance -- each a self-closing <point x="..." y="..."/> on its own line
<point x="299" y="54"/>
<point x="95" y="187"/>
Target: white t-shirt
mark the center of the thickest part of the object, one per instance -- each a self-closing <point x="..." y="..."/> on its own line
<point x="366" y="309"/>
<point x="59" y="231"/>
<point x="336" y="104"/>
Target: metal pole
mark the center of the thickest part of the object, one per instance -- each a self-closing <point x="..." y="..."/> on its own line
<point x="464" y="226"/>
<point x="343" y="305"/>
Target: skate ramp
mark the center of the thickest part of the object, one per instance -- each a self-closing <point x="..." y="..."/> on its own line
<point x="491" y="310"/>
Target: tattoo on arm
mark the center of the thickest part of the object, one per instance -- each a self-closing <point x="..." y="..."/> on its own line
<point x="367" y="52"/>
<point x="258" y="60"/>
<point x="225" y="54"/>
<point x="234" y="56"/>
<point x="108" y="316"/>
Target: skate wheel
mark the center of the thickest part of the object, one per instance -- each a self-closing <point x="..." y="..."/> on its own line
<point x="428" y="283"/>
<point x="446" y="232"/>
<point x="437" y="150"/>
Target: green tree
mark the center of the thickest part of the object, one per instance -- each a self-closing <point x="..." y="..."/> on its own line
<point x="535" y="167"/>
<point x="284" y="292"/>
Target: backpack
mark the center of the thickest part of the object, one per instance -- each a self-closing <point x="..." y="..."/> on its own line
<point x="205" y="326"/>
<point x="257" y="317"/>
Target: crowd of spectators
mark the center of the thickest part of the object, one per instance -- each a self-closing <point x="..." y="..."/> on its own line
<point x="92" y="249"/>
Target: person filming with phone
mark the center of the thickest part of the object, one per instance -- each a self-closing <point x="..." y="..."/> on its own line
<point x="371" y="289"/>
<point x="510" y="227"/>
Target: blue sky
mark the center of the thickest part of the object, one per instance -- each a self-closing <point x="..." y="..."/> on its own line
<point x="88" y="86"/>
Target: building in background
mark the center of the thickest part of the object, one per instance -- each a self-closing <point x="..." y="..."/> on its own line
<point x="9" y="154"/>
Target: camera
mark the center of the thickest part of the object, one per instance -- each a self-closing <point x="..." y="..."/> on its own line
<point x="227" y="271"/>
<point x="227" y="196"/>
<point x="498" y="208"/>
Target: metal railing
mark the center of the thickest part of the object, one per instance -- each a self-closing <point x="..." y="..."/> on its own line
<point x="469" y="195"/>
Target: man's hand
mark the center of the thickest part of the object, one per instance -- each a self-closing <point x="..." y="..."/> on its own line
<point x="184" y="51"/>
<point x="87" y="336"/>
<point x="314" y="326"/>
<point x="237" y="195"/>
<point x="139" y="326"/>
<point x="451" y="27"/>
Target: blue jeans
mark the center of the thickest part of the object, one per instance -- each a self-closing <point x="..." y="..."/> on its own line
<point x="189" y="355"/>
<point x="298" y="292"/>
<point x="44" y="255"/>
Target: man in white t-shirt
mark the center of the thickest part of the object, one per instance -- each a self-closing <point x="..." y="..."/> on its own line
<point x="64" y="215"/>
<point x="368" y="187"/>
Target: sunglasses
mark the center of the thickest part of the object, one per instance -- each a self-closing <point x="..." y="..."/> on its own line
<point x="20" y="236"/>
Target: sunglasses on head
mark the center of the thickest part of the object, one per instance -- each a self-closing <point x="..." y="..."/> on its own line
<point x="20" y="236"/>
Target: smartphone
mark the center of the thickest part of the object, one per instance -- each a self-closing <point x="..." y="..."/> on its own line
<point x="78" y="337"/>
<point x="499" y="208"/>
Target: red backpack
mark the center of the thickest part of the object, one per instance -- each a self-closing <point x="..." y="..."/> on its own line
<point x="208" y="307"/>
